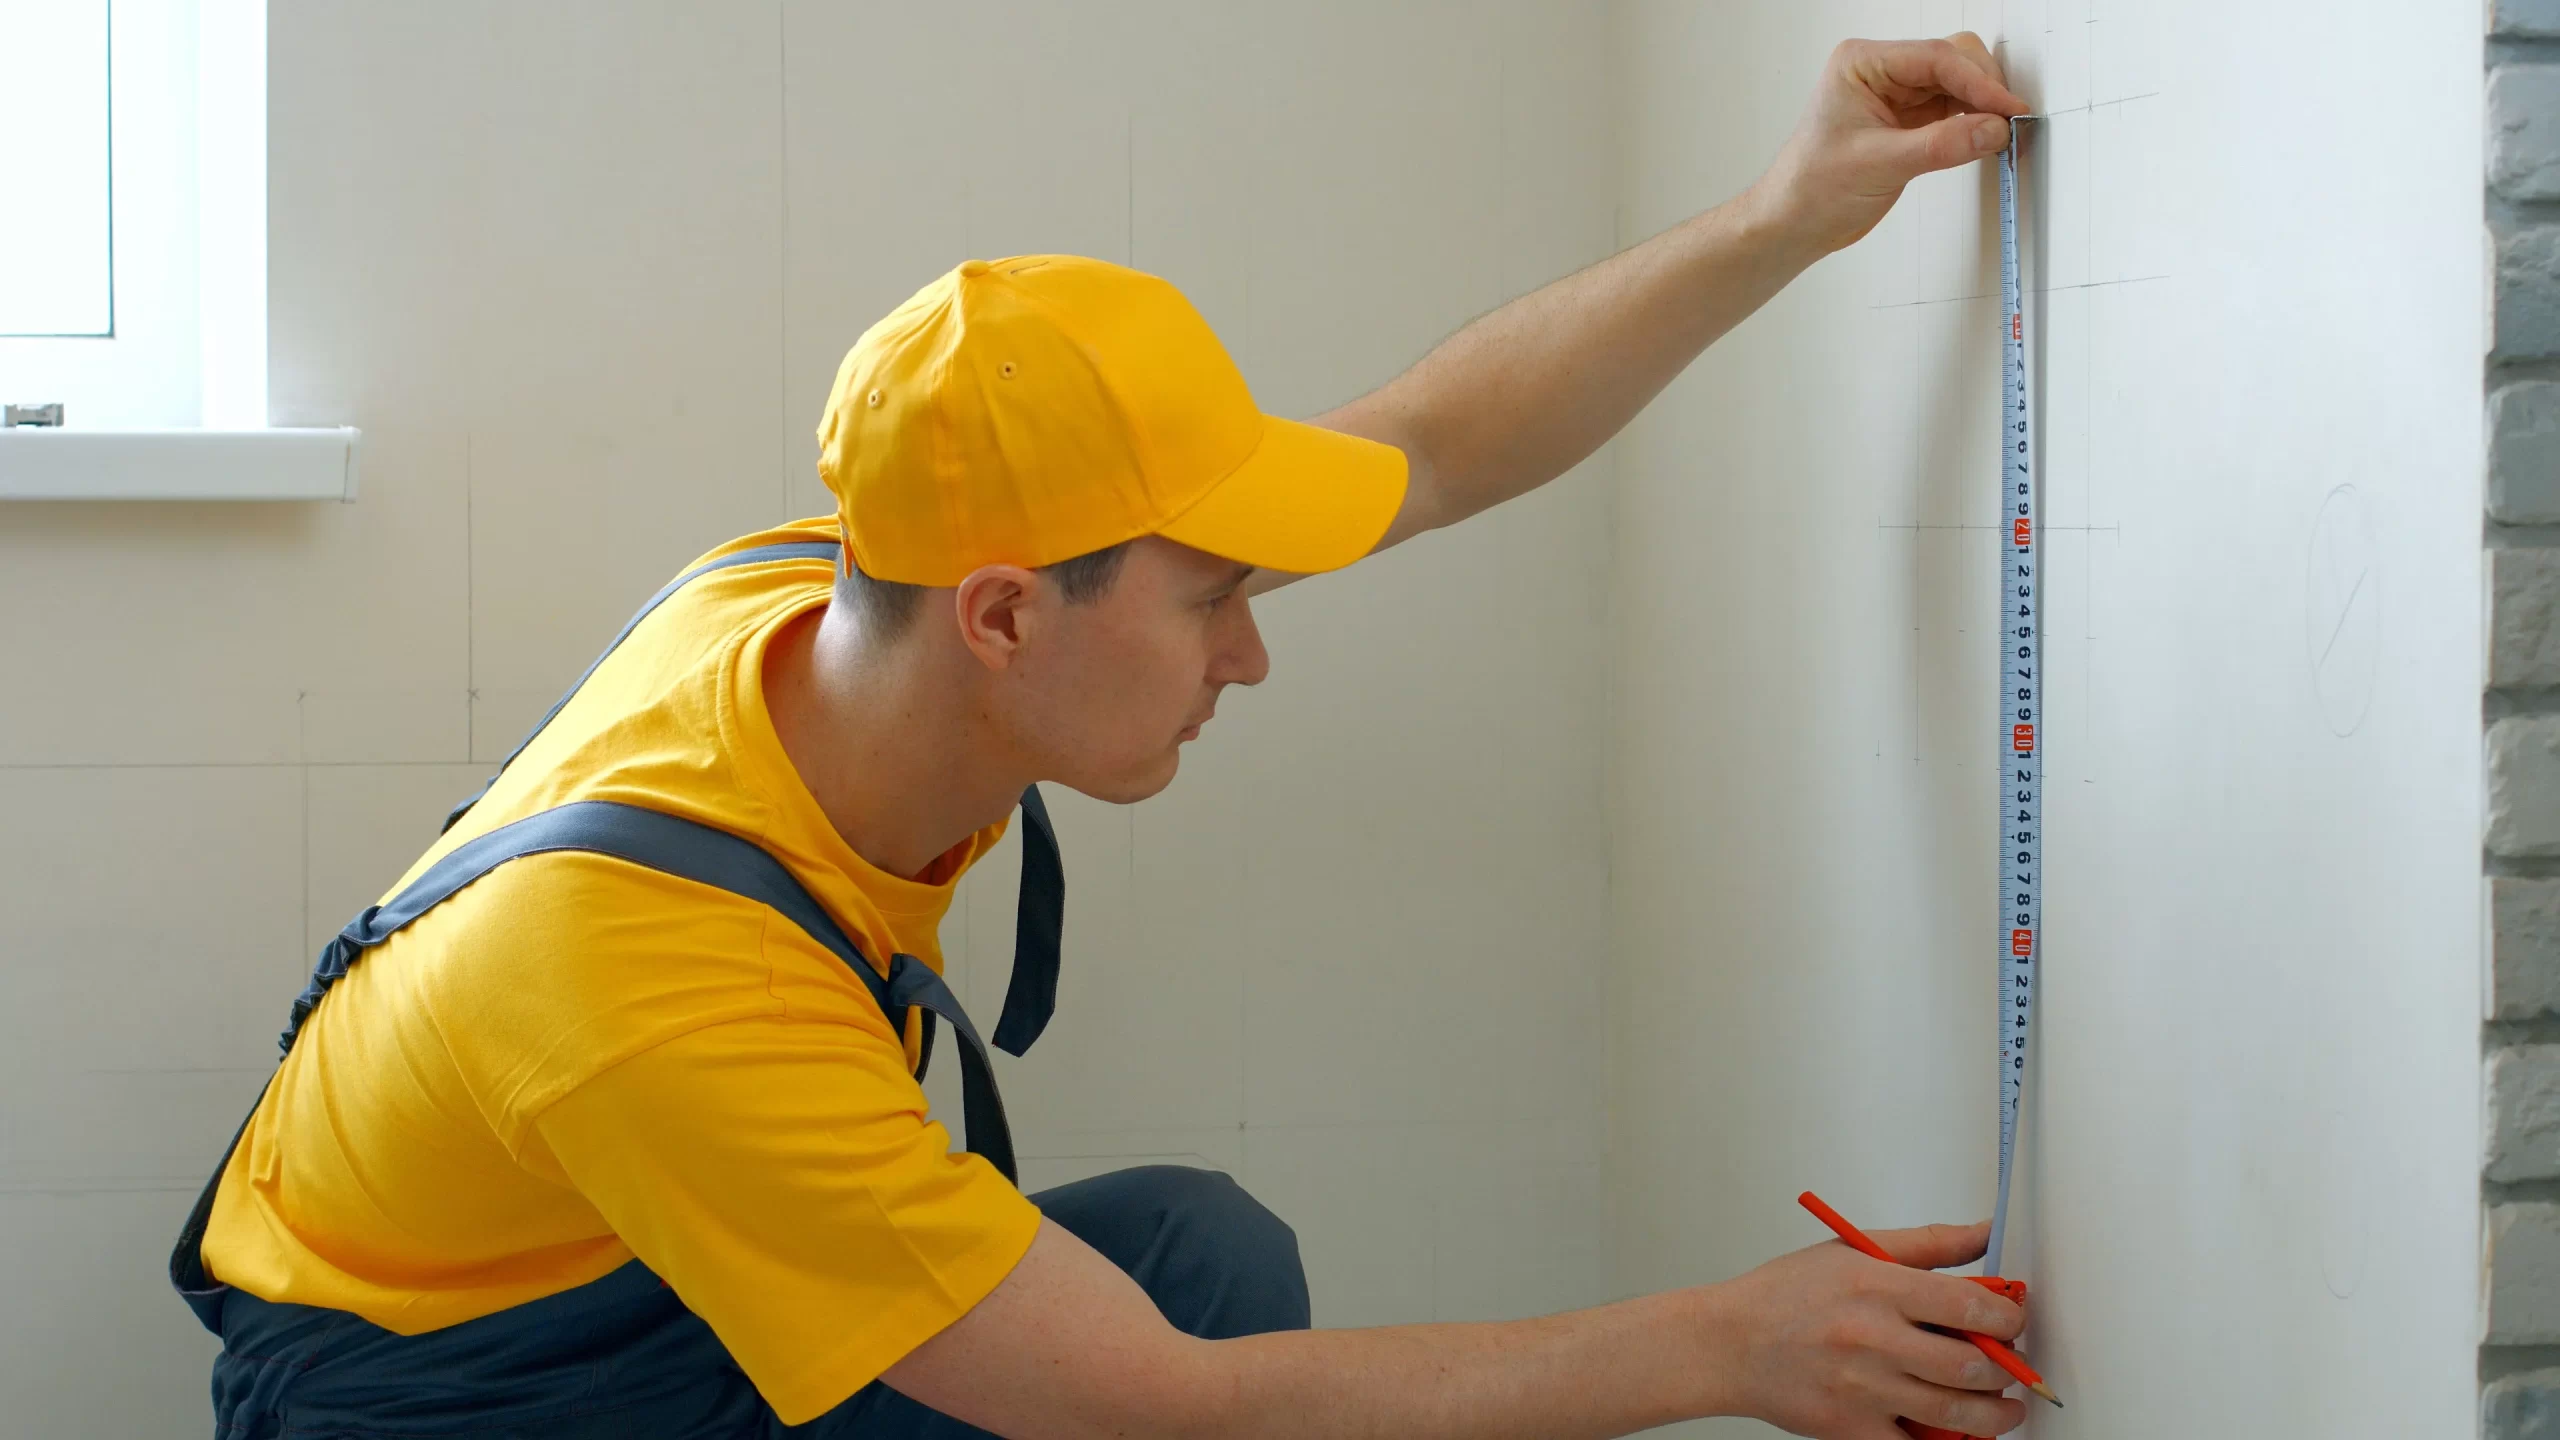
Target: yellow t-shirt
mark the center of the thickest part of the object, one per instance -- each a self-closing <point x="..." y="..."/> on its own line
<point x="577" y="1060"/>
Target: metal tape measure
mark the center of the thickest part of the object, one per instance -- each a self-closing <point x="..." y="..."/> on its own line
<point x="2021" y="753"/>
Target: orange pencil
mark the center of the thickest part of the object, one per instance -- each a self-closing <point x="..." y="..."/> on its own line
<point x="2001" y="1355"/>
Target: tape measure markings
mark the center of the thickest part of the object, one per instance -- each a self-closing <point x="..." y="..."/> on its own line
<point x="2021" y="751"/>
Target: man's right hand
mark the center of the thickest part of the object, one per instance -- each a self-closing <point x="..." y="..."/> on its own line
<point x="1824" y="1342"/>
<point x="1827" y="1342"/>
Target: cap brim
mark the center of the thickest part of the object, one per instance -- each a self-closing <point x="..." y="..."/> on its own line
<point x="1307" y="500"/>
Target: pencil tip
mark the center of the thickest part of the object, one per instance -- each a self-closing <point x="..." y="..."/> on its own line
<point x="2047" y="1392"/>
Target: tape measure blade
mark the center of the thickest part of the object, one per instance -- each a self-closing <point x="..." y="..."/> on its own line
<point x="2019" y="729"/>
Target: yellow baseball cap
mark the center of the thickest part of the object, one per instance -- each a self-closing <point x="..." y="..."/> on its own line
<point x="1030" y="410"/>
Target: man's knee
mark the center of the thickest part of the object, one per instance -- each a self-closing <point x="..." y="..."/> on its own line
<point x="1207" y="1213"/>
<point x="1214" y="1259"/>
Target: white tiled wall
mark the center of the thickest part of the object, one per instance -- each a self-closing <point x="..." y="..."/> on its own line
<point x="2250" y="1153"/>
<point x="582" y="271"/>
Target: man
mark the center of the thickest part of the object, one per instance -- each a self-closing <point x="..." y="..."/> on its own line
<point x="606" y="1123"/>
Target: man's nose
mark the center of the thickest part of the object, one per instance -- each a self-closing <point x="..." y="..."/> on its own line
<point x="1241" y="659"/>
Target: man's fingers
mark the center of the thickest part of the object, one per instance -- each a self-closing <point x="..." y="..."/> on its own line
<point x="1935" y="1247"/>
<point x="1973" y="76"/>
<point x="1971" y="44"/>
<point x="1906" y="72"/>
<point x="1951" y="1362"/>
<point x="1931" y="1299"/>
<point x="1956" y="140"/>
<point x="1969" y="1412"/>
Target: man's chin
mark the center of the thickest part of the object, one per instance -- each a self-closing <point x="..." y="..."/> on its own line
<point x="1129" y="789"/>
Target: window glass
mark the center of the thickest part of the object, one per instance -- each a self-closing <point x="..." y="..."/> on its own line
<point x="55" y="209"/>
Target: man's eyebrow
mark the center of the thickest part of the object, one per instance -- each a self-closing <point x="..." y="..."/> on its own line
<point x="1233" y="578"/>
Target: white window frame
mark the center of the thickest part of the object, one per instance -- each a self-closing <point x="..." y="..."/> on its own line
<point x="174" y="404"/>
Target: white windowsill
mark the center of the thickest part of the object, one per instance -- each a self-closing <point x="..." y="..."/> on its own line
<point x="49" y="464"/>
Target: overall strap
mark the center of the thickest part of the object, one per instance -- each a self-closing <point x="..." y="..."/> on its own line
<point x="827" y="550"/>
<point x="1039" y="919"/>
<point x="1031" y="996"/>
<point x="674" y="846"/>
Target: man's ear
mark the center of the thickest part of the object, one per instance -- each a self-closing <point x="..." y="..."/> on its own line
<point x="997" y="606"/>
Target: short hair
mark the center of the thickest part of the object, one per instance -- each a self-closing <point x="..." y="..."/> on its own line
<point x="887" y="607"/>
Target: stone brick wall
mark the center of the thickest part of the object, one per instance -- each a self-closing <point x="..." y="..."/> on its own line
<point x="2520" y="1161"/>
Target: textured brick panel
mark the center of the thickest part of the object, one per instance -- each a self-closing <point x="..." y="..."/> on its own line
<point x="2524" y="17"/>
<point x="2524" y="786"/>
<point x="2524" y="1274"/>
<point x="2522" y="1407"/>
<point x="2524" y="132"/>
<point x="2524" y="453"/>
<point x="2524" y="947"/>
<point x="2524" y="617"/>
<point x="2527" y="310"/>
<point x="2524" y="1113"/>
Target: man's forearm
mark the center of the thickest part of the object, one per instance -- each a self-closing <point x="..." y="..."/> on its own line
<point x="1069" y="1347"/>
<point x="1526" y="392"/>
<point x="1608" y="1371"/>
<point x="1522" y="395"/>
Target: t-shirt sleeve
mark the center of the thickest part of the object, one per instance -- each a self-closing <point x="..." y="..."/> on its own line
<point x="782" y="1176"/>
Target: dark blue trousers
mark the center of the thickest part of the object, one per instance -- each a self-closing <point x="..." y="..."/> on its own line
<point x="623" y="1358"/>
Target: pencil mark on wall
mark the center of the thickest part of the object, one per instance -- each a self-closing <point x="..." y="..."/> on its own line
<point x="2048" y="529"/>
<point x="782" y="228"/>
<point x="2095" y="105"/>
<point x="2032" y="290"/>
<point x="302" y="782"/>
<point x="470" y="615"/>
<point x="2342" y="614"/>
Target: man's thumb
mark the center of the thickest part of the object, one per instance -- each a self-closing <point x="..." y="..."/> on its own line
<point x="1956" y="140"/>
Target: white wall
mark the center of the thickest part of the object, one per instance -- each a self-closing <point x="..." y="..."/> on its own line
<point x="2247" y="1203"/>
<point x="582" y="271"/>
